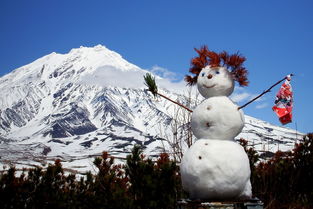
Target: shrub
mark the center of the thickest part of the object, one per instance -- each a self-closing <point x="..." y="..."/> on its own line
<point x="145" y="184"/>
<point x="286" y="180"/>
<point x="153" y="185"/>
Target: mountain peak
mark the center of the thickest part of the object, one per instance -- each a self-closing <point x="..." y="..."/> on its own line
<point x="98" y="48"/>
<point x="73" y="65"/>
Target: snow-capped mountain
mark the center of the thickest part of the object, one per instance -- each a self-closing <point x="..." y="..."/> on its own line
<point x="74" y="106"/>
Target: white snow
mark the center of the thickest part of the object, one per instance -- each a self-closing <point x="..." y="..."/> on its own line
<point x="217" y="118"/>
<point x="216" y="169"/>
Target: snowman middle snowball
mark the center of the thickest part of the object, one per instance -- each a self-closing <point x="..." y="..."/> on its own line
<point x="217" y="118"/>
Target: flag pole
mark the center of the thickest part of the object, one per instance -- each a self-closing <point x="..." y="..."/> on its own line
<point x="264" y="92"/>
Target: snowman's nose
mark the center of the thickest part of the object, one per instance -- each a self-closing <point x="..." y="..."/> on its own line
<point x="210" y="76"/>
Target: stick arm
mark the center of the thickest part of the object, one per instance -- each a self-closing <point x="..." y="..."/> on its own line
<point x="152" y="87"/>
<point x="266" y="91"/>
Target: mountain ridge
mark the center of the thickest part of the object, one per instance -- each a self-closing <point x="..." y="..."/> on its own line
<point x="90" y="100"/>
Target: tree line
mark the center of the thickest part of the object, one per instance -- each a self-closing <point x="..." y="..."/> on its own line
<point x="284" y="181"/>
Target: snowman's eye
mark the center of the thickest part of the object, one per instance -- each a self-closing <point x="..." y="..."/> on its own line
<point x="203" y="74"/>
<point x="217" y="72"/>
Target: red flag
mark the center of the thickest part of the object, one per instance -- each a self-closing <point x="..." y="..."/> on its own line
<point x="284" y="102"/>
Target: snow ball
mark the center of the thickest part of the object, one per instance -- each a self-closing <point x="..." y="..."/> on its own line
<point x="215" y="169"/>
<point x="215" y="82"/>
<point x="217" y="118"/>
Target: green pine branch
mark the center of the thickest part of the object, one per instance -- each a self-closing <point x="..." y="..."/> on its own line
<point x="150" y="83"/>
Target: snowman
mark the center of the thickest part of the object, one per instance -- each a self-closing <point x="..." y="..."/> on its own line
<point x="216" y="167"/>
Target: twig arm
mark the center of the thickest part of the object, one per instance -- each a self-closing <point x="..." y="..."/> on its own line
<point x="151" y="84"/>
<point x="264" y="92"/>
<point x="181" y="105"/>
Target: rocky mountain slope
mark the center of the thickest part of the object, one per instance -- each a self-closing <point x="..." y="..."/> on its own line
<point x="74" y="106"/>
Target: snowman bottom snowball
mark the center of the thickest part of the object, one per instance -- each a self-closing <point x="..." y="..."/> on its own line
<point x="216" y="169"/>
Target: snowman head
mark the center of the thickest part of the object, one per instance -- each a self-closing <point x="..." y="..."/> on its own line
<point x="215" y="73"/>
<point x="215" y="81"/>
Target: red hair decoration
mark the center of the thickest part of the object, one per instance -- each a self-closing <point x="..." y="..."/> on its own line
<point x="205" y="57"/>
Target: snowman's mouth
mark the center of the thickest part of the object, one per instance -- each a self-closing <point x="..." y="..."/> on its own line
<point x="209" y="86"/>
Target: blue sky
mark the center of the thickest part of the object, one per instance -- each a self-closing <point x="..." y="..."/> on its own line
<point x="275" y="36"/>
